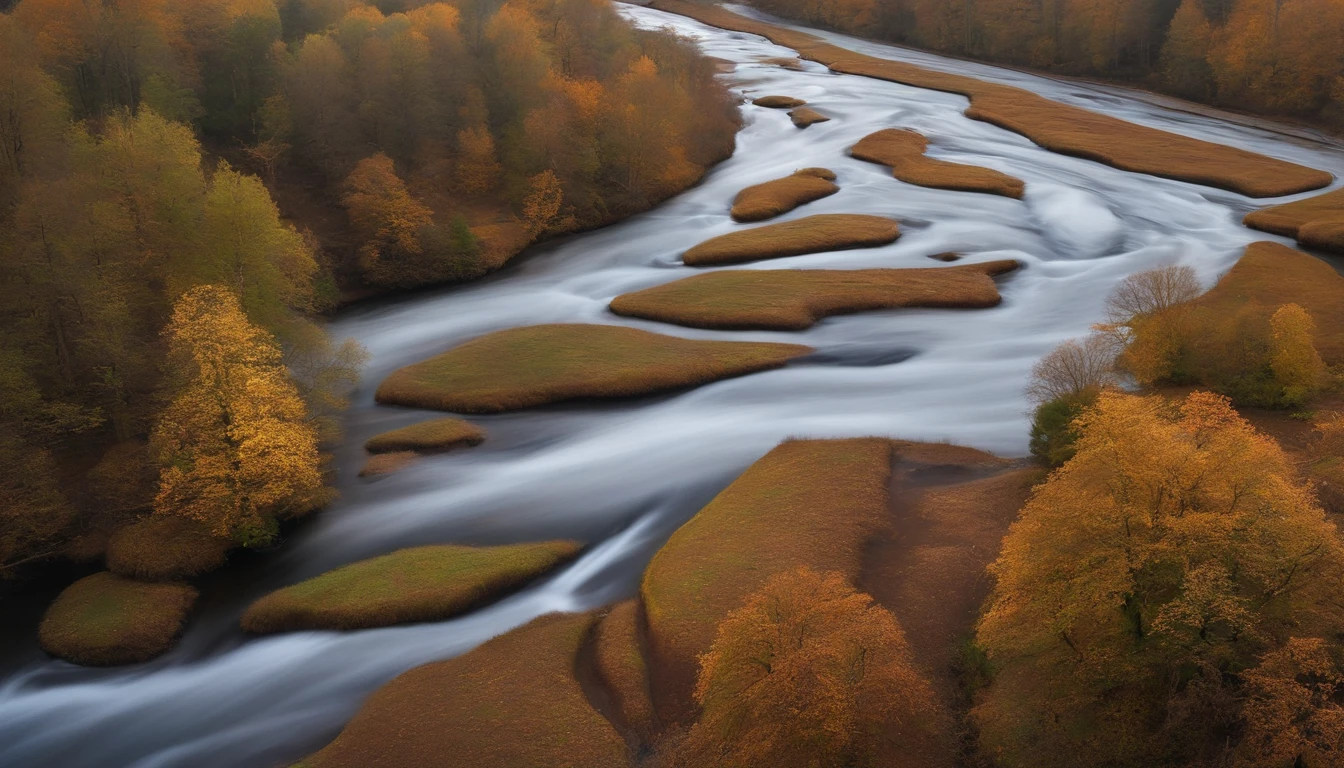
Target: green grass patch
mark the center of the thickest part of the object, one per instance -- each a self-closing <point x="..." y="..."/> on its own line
<point x="1316" y="222"/>
<point x="773" y="198"/>
<point x="165" y="548"/>
<point x="106" y="620"/>
<point x="810" y="234"/>
<point x="417" y="584"/>
<point x="541" y="364"/>
<point x="431" y="436"/>
<point x="513" y="702"/>
<point x="903" y="151"/>
<point x="791" y="300"/>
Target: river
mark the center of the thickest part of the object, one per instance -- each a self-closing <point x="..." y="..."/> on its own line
<point x="622" y="476"/>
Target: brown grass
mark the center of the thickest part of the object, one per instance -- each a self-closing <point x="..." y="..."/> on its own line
<point x="787" y="63"/>
<point x="903" y="150"/>
<point x="165" y="548"/>
<point x="427" y="437"/>
<point x="540" y="364"/>
<point x="807" y="503"/>
<point x="1270" y="275"/>
<point x="105" y="620"/>
<point x="623" y="670"/>
<point x="791" y="300"/>
<point x="768" y="200"/>
<point x="805" y="116"/>
<point x="417" y="584"/>
<point x="779" y="102"/>
<point x="1057" y="127"/>
<point x="513" y="702"/>
<point x="388" y="463"/>
<point x="810" y="234"/>
<point x="1317" y="222"/>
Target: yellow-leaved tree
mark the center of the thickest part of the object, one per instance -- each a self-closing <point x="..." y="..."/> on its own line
<point x="1296" y="364"/>
<point x="1172" y="550"/>
<point x="236" y="448"/>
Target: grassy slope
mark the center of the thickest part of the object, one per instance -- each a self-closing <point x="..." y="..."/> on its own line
<point x="165" y="548"/>
<point x="104" y="620"/>
<point x="810" y="234"/>
<point x="903" y="150"/>
<point x="1271" y="275"/>
<point x="768" y="200"/>
<point x="1058" y="127"/>
<point x="621" y="665"/>
<point x="1317" y="222"/>
<point x="806" y="503"/>
<point x="787" y="299"/>
<point x="513" y="702"/>
<point x="540" y="364"/>
<point x="417" y="584"/>
<point x="427" y="437"/>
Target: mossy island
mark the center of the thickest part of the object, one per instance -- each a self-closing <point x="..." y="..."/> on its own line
<point x="410" y="585"/>
<point x="108" y="620"/>
<point x="810" y="234"/>
<point x="773" y="198"/>
<point x="903" y="151"/>
<point x="542" y="364"/>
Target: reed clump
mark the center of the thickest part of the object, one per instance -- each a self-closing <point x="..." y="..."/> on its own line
<point x="773" y="198"/>
<point x="810" y="234"/>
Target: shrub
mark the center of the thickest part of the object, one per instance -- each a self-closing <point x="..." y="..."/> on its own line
<point x="165" y="548"/>
<point x="1052" y="429"/>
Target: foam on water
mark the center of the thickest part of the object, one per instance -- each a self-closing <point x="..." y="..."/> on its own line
<point x="624" y="475"/>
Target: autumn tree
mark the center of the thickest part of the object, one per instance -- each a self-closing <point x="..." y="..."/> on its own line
<point x="478" y="169"/>
<point x="1292" y="713"/>
<point x="1163" y="558"/>
<point x="1185" y="65"/>
<point x="543" y="204"/>
<point x="809" y="672"/>
<point x="235" y="444"/>
<point x="1062" y="385"/>
<point x="1297" y="366"/>
<point x="388" y="218"/>
<point x="32" y="112"/>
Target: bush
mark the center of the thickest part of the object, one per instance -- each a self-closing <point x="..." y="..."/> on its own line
<point x="165" y="548"/>
<point x="1052" y="430"/>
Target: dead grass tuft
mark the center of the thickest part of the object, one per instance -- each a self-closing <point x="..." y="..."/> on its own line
<point x="1317" y="222"/>
<point x="165" y="548"/>
<point x="418" y="584"/>
<point x="1057" y="127"/>
<point x="768" y="200"/>
<point x="540" y="364"/>
<point x="903" y="150"/>
<point x="778" y="102"/>
<point x="810" y="234"/>
<point x="431" y="436"/>
<point x="623" y="670"/>
<point x="514" y="701"/>
<point x="791" y="300"/>
<point x="106" y="620"/>
<point x="805" y="116"/>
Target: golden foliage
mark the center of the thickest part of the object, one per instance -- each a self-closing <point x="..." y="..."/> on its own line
<point x="1292" y="711"/>
<point x="477" y="169"/>
<point x="1296" y="364"/>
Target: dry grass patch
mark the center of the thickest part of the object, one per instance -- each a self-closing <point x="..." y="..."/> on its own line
<point x="1317" y="222"/>
<point x="623" y="670"/>
<point x="1057" y="127"/>
<point x="768" y="200"/>
<point x="778" y="102"/>
<point x="165" y="548"/>
<point x="431" y="436"/>
<point x="811" y="503"/>
<point x="903" y="150"/>
<point x="540" y="364"/>
<point x="791" y="300"/>
<point x="810" y="234"/>
<point x="388" y="463"/>
<point x="512" y="702"/>
<point x="105" y="620"/>
<point x="787" y="63"/>
<point x="805" y="116"/>
<point x="418" y="584"/>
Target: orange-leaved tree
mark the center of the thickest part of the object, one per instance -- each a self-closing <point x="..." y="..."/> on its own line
<point x="1292" y="713"/>
<point x="236" y="448"/>
<point x="386" y="216"/>
<point x="810" y="672"/>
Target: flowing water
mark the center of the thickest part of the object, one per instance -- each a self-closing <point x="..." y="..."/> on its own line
<point x="622" y="476"/>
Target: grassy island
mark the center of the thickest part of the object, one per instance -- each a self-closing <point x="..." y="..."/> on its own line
<point x="431" y="436"/>
<point x="541" y="364"/>
<point x="791" y="300"/>
<point x="1317" y="222"/>
<point x="165" y="548"/>
<point x="106" y="620"/>
<point x="805" y="116"/>
<point x="417" y="584"/>
<point x="768" y="200"/>
<point x="810" y="234"/>
<point x="903" y="150"/>
<point x="778" y="102"/>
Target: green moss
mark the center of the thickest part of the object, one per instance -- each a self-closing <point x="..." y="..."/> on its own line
<point x="417" y="584"/>
<point x="105" y="620"/>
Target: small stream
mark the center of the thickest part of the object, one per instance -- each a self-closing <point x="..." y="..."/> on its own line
<point x="622" y="476"/>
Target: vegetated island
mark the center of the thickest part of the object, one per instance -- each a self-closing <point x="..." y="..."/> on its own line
<point x="540" y="364"/>
<point x="778" y="102"/>
<point x="779" y="196"/>
<point x="432" y="436"/>
<point x="1316" y="222"/>
<point x="805" y="116"/>
<point x="903" y="150"/>
<point x="429" y="583"/>
<point x="794" y="299"/>
<point x="106" y="620"/>
<point x="810" y="234"/>
<point x="1057" y="127"/>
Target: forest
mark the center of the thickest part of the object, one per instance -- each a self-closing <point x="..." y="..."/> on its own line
<point x="1278" y="57"/>
<point x="186" y="186"/>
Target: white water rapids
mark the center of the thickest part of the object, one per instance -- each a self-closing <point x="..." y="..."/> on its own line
<point x="622" y="476"/>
